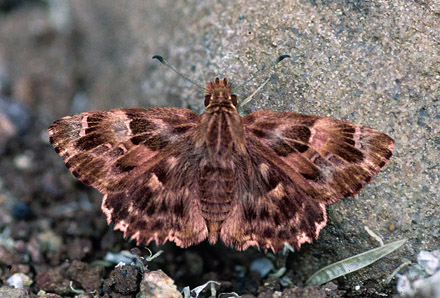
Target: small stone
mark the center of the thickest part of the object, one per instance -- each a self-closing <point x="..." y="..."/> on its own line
<point x="23" y="161"/>
<point x="49" y="241"/>
<point x="43" y="294"/>
<point x="404" y="285"/>
<point x="19" y="280"/>
<point x="391" y="227"/>
<point x="90" y="278"/>
<point x="428" y="261"/>
<point x="53" y="281"/>
<point x="156" y="284"/>
<point x="419" y="287"/>
<point x="7" y="257"/>
<point x="7" y="292"/>
<point x="123" y="280"/>
<point x="21" y="210"/>
<point x="262" y="266"/>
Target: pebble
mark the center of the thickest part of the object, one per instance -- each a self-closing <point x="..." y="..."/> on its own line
<point x="17" y="113"/>
<point x="392" y="227"/>
<point x="262" y="266"/>
<point x="13" y="292"/>
<point x="49" y="241"/>
<point x="21" y="210"/>
<point x="53" y="281"/>
<point x="90" y="278"/>
<point x="123" y="280"/>
<point x="19" y="280"/>
<point x="422" y="280"/>
<point x="156" y="284"/>
<point x="23" y="161"/>
<point x="429" y="261"/>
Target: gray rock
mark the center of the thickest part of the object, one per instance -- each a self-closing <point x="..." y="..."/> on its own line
<point x="262" y="266"/>
<point x="422" y="280"/>
<point x="157" y="284"/>
<point x="8" y="292"/>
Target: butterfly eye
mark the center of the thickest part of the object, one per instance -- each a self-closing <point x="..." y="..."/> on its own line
<point x="234" y="99"/>
<point x="207" y="99"/>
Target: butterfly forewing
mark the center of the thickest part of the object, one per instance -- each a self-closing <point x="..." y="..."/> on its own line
<point x="135" y="157"/>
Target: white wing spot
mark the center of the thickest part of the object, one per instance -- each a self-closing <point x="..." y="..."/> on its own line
<point x="84" y="126"/>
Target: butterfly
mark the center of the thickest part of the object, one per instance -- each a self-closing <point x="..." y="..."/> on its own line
<point x="169" y="174"/>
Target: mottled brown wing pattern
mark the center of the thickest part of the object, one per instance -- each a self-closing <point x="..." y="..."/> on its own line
<point x="270" y="209"/>
<point x="300" y="163"/>
<point x="168" y="174"/>
<point x="128" y="155"/>
<point x="330" y="158"/>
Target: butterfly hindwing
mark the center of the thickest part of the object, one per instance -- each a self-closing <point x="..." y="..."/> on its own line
<point x="270" y="209"/>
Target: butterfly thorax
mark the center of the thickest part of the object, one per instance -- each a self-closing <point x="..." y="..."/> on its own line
<point x="221" y="136"/>
<point x="221" y="129"/>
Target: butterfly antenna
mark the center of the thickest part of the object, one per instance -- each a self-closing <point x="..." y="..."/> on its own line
<point x="249" y="98"/>
<point x="165" y="62"/>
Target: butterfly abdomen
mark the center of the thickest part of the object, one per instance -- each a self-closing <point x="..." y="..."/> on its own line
<point x="217" y="185"/>
<point x="217" y="188"/>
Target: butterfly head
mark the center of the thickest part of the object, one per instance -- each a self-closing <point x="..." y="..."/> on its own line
<point x="219" y="92"/>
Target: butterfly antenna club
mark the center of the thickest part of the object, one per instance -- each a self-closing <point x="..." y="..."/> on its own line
<point x="167" y="64"/>
<point x="249" y="98"/>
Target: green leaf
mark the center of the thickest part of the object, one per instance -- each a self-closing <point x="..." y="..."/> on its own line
<point x="352" y="264"/>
